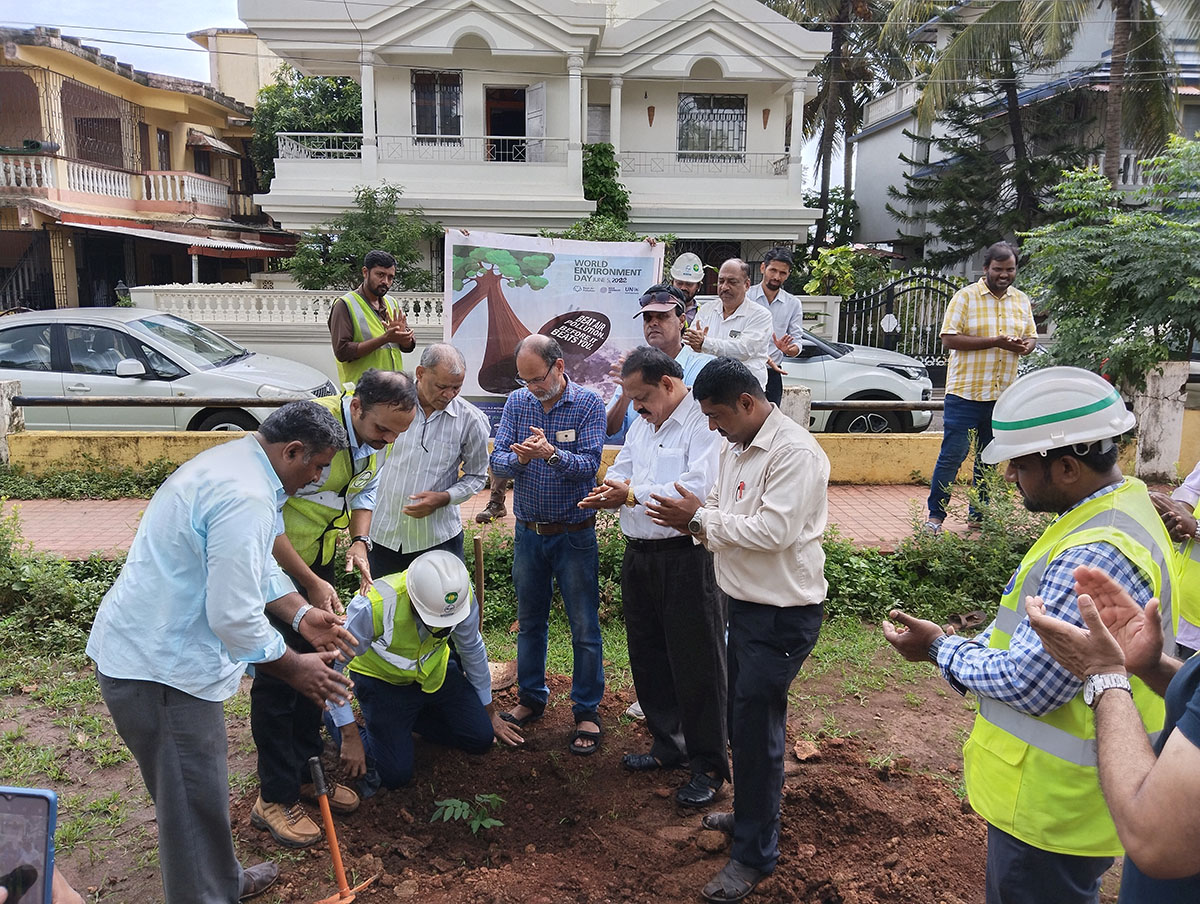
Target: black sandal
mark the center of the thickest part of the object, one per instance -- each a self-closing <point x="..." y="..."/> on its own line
<point x="534" y="715"/>
<point x="580" y="734"/>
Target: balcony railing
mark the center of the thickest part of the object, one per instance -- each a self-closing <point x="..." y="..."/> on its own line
<point x="472" y="149"/>
<point x="26" y="172"/>
<point x="701" y="163"/>
<point x="319" y="145"/>
<point x="895" y="101"/>
<point x="1129" y="171"/>
<point x="422" y="148"/>
<point x="185" y="188"/>
<point x="91" y="179"/>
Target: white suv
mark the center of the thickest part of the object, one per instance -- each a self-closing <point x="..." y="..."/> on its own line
<point x="837" y="372"/>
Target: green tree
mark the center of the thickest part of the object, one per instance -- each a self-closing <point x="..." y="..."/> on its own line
<point x="1122" y="283"/>
<point x="973" y="195"/>
<point x="300" y="103"/>
<point x="600" y="182"/>
<point x="331" y="256"/>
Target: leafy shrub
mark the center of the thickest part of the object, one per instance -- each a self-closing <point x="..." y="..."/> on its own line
<point x="92" y="479"/>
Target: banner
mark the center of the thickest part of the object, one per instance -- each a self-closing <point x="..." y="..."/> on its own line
<point x="501" y="288"/>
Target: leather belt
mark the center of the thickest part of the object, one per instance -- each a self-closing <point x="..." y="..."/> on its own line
<point x="659" y="545"/>
<point x="549" y="528"/>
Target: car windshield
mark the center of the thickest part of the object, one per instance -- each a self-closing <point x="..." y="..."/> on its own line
<point x="199" y="346"/>
<point x="822" y="347"/>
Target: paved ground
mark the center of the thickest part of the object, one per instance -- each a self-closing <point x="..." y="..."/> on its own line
<point x="871" y="516"/>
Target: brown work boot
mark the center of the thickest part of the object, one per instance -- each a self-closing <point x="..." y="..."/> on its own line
<point x="341" y="799"/>
<point x="290" y="826"/>
<point x="493" y="511"/>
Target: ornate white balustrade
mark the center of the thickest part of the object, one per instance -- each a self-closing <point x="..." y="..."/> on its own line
<point x="244" y="303"/>
<point x="184" y="188"/>
<point x="98" y="180"/>
<point x="26" y="171"/>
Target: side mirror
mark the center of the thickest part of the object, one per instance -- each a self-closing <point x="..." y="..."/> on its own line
<point x="130" y="367"/>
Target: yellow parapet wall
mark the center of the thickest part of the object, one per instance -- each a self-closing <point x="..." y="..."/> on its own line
<point x="885" y="458"/>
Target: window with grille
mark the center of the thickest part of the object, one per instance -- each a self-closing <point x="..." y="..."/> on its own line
<point x="712" y="126"/>
<point x="437" y="103"/>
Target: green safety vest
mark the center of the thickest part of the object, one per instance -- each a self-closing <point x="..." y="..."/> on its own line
<point x="1035" y="777"/>
<point x="368" y="325"/>
<point x="312" y="521"/>
<point x="398" y="655"/>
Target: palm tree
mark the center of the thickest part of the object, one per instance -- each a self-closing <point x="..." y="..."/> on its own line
<point x="856" y="69"/>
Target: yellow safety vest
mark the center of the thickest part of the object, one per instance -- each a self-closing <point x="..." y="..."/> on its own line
<point x="1187" y="595"/>
<point x="313" y="520"/>
<point x="367" y="325"/>
<point x="1035" y="777"/>
<point x="398" y="655"/>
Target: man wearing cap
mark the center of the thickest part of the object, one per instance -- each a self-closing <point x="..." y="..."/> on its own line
<point x="687" y="275"/>
<point x="787" y="317"/>
<point x="1030" y="762"/>
<point x="366" y="328"/>
<point x="404" y="676"/>
<point x="729" y="326"/>
<point x="662" y="313"/>
<point x="674" y="612"/>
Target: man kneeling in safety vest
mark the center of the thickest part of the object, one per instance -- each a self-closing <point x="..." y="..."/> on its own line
<point x="1030" y="762"/>
<point x="404" y="676"/>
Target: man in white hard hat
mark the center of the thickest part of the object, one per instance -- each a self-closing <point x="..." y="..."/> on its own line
<point x="687" y="275"/>
<point x="1031" y="757"/>
<point x="404" y="676"/>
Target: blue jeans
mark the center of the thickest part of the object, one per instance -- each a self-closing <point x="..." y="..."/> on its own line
<point x="573" y="560"/>
<point x="451" y="716"/>
<point x="959" y="417"/>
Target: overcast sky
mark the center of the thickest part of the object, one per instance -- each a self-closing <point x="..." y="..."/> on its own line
<point x="149" y="34"/>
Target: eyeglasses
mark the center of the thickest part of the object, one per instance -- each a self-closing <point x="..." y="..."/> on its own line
<point x="660" y="295"/>
<point x="521" y="381"/>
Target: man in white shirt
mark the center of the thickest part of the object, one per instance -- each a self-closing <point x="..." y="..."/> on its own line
<point x="763" y="522"/>
<point x="730" y="326"/>
<point x="787" y="317"/>
<point x="674" y="612"/>
<point x="420" y="487"/>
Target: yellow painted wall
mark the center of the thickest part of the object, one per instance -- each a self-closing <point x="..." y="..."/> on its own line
<point x="881" y="459"/>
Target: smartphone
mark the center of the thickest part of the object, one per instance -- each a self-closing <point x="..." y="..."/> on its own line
<point x="27" y="817"/>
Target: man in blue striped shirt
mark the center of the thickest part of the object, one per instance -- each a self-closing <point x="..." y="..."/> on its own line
<point x="549" y="440"/>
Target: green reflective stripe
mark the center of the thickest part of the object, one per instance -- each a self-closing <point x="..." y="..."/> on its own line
<point x="1059" y="416"/>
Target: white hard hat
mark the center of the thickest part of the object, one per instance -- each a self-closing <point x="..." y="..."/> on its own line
<point x="440" y="588"/>
<point x="1052" y="408"/>
<point x="687" y="268"/>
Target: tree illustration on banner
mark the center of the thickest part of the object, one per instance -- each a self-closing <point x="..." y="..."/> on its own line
<point x="579" y="333"/>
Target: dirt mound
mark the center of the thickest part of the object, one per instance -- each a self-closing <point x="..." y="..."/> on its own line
<point x="856" y="828"/>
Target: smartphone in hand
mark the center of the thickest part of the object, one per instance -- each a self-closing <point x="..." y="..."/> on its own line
<point x="27" y="818"/>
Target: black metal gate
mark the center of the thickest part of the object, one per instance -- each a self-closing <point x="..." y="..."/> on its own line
<point x="26" y="278"/>
<point x="904" y="316"/>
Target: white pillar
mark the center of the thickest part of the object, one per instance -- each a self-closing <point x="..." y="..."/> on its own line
<point x="370" y="152"/>
<point x="195" y="268"/>
<point x="796" y="140"/>
<point x="574" y="101"/>
<point x="614" y="112"/>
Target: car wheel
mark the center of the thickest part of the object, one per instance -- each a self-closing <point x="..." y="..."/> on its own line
<point x="866" y="422"/>
<point x="231" y="419"/>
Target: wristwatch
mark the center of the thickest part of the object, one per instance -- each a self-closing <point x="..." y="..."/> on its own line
<point x="1098" y="684"/>
<point x="554" y="458"/>
<point x="366" y="541"/>
<point x="695" y="526"/>
<point x="630" y="498"/>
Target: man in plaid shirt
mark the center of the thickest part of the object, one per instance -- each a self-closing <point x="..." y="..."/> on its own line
<point x="988" y="326"/>
<point x="549" y="440"/>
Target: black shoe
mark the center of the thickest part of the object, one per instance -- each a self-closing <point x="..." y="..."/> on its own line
<point x="258" y="878"/>
<point x="641" y="762"/>
<point x="718" y="822"/>
<point x="700" y="791"/>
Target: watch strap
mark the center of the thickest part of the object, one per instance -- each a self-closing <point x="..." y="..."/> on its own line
<point x="365" y="540"/>
<point x="1095" y="686"/>
<point x="299" y="617"/>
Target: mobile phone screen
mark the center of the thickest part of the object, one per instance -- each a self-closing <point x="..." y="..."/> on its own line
<point x="25" y="850"/>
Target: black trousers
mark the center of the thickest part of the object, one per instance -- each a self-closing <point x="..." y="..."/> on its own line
<point x="386" y="561"/>
<point x="767" y="646"/>
<point x="774" y="386"/>
<point x="286" y="725"/>
<point x="675" y="619"/>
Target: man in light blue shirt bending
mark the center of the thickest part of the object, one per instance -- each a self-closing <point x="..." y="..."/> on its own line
<point x="173" y="636"/>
